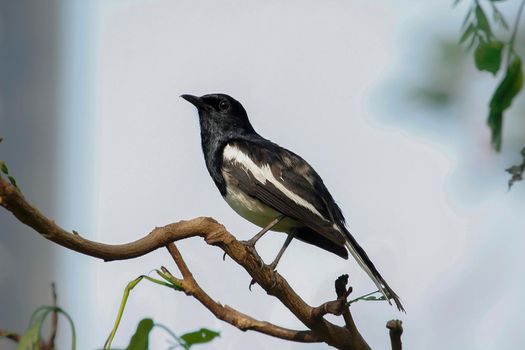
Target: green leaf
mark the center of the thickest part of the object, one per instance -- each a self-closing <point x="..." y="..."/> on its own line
<point x="467" y="17"/>
<point x="140" y="340"/>
<point x="483" y="22"/>
<point x="498" y="17"/>
<point x="495" y="123"/>
<point x="487" y="56"/>
<point x="123" y="302"/>
<point x="13" y="181"/>
<point x="125" y="296"/>
<point x="3" y="168"/>
<point x="31" y="338"/>
<point x="467" y="33"/>
<point x="203" y="335"/>
<point x="509" y="87"/>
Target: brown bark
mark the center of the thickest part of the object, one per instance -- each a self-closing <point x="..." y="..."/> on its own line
<point x="318" y="328"/>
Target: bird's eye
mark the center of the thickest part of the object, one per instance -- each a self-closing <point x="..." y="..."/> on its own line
<point x="224" y="105"/>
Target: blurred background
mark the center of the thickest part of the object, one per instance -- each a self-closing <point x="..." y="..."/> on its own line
<point x="377" y="96"/>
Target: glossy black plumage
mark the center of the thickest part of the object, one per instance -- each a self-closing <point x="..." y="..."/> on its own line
<point x="261" y="180"/>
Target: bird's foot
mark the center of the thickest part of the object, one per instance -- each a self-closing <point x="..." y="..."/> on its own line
<point x="252" y="282"/>
<point x="274" y="278"/>
<point x="250" y="244"/>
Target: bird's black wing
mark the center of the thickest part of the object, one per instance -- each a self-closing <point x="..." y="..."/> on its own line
<point x="287" y="183"/>
<point x="283" y="181"/>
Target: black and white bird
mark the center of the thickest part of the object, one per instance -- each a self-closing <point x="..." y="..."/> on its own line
<point x="273" y="187"/>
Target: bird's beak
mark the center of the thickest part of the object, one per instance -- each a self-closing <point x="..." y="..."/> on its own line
<point x="194" y="100"/>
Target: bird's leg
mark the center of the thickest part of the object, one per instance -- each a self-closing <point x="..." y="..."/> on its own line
<point x="274" y="263"/>
<point x="255" y="238"/>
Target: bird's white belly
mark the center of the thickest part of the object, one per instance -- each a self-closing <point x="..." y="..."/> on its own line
<point x="256" y="211"/>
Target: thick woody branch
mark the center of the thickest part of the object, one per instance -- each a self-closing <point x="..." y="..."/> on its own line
<point x="214" y="234"/>
<point x="13" y="201"/>
<point x="229" y="314"/>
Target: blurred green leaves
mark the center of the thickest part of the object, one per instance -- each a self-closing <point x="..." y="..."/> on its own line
<point x="440" y="83"/>
<point x="140" y="339"/>
<point x="4" y="170"/>
<point x="166" y="281"/>
<point x="488" y="57"/>
<point x="482" y="21"/>
<point x="31" y="339"/>
<point x="201" y="336"/>
<point x="502" y="98"/>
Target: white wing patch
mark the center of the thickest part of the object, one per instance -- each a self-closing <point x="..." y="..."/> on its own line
<point x="264" y="174"/>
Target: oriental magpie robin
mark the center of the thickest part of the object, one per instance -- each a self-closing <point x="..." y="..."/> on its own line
<point x="273" y="187"/>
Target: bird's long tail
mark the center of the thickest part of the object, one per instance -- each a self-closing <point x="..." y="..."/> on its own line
<point x="366" y="264"/>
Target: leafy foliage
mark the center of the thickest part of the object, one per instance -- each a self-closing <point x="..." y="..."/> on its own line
<point x="31" y="339"/>
<point x="167" y="282"/>
<point x="5" y="171"/>
<point x="140" y="340"/>
<point x="509" y="87"/>
<point x="201" y="336"/>
<point x="488" y="57"/>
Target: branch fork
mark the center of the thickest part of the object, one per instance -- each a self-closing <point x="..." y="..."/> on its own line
<point x="318" y="328"/>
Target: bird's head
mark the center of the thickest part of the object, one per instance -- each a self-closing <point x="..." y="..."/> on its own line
<point x="220" y="113"/>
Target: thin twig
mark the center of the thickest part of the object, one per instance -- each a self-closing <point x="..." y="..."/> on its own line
<point x="514" y="33"/>
<point x="11" y="336"/>
<point x="516" y="25"/>
<point x="54" y="320"/>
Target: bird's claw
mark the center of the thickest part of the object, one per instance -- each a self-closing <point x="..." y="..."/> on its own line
<point x="224" y="257"/>
<point x="249" y="243"/>
<point x="252" y="282"/>
<point x="274" y="280"/>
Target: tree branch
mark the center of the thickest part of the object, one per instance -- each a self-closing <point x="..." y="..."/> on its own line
<point x="11" y="336"/>
<point x="395" y="329"/>
<point x="214" y="234"/>
<point x="229" y="314"/>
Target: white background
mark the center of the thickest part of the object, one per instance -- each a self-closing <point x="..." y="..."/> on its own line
<point x="305" y="73"/>
<point x="428" y="202"/>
